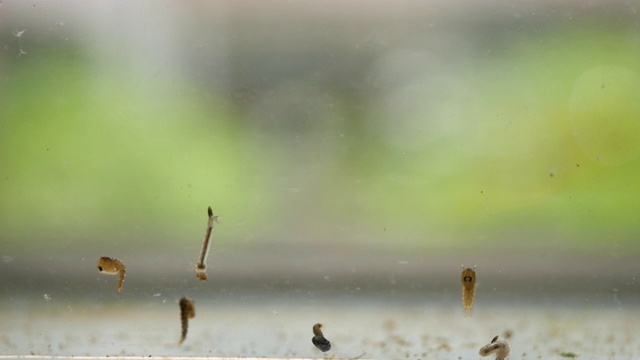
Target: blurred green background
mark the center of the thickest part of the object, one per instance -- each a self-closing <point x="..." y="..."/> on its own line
<point x="399" y="125"/>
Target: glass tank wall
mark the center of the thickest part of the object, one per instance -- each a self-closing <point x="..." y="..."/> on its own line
<point x="354" y="155"/>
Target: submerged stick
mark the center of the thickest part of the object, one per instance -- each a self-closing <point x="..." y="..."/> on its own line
<point x="201" y="267"/>
<point x="187" y="311"/>
<point x="109" y="266"/>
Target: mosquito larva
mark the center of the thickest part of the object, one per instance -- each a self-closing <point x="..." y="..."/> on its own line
<point x="500" y="348"/>
<point x="319" y="340"/>
<point x="109" y="266"/>
<point x="187" y="311"/>
<point x="468" y="290"/>
<point x="201" y="267"/>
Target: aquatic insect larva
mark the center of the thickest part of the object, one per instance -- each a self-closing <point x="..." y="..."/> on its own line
<point x="201" y="268"/>
<point x="187" y="311"/>
<point x="109" y="266"/>
<point x="500" y="348"/>
<point x="319" y="340"/>
<point x="468" y="290"/>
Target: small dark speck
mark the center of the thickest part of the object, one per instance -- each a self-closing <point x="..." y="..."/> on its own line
<point x="550" y="174"/>
<point x="578" y="165"/>
<point x="602" y="86"/>
<point x="481" y="192"/>
<point x="47" y="149"/>
<point x="568" y="354"/>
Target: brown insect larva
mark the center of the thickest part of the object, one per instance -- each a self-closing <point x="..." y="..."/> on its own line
<point x="187" y="311"/>
<point x="109" y="266"/>
<point x="468" y="290"/>
<point x="319" y="340"/>
<point x="500" y="348"/>
<point x="201" y="267"/>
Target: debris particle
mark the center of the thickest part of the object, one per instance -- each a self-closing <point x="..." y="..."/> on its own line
<point x="569" y="354"/>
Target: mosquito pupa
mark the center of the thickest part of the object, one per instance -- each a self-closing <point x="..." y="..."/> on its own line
<point x="319" y="340"/>
<point x="468" y="290"/>
<point x="187" y="311"/>
<point x="109" y="266"/>
<point x="500" y="348"/>
<point x="201" y="267"/>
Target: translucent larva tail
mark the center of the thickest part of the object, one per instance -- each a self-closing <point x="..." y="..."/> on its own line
<point x="123" y="272"/>
<point x="467" y="312"/>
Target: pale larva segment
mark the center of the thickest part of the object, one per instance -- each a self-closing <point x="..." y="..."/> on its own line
<point x="123" y="273"/>
<point x="500" y="348"/>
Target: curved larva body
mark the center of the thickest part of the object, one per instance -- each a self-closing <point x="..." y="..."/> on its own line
<point x="109" y="266"/>
<point x="187" y="311"/>
<point x="468" y="290"/>
<point x="319" y="340"/>
<point x="500" y="348"/>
